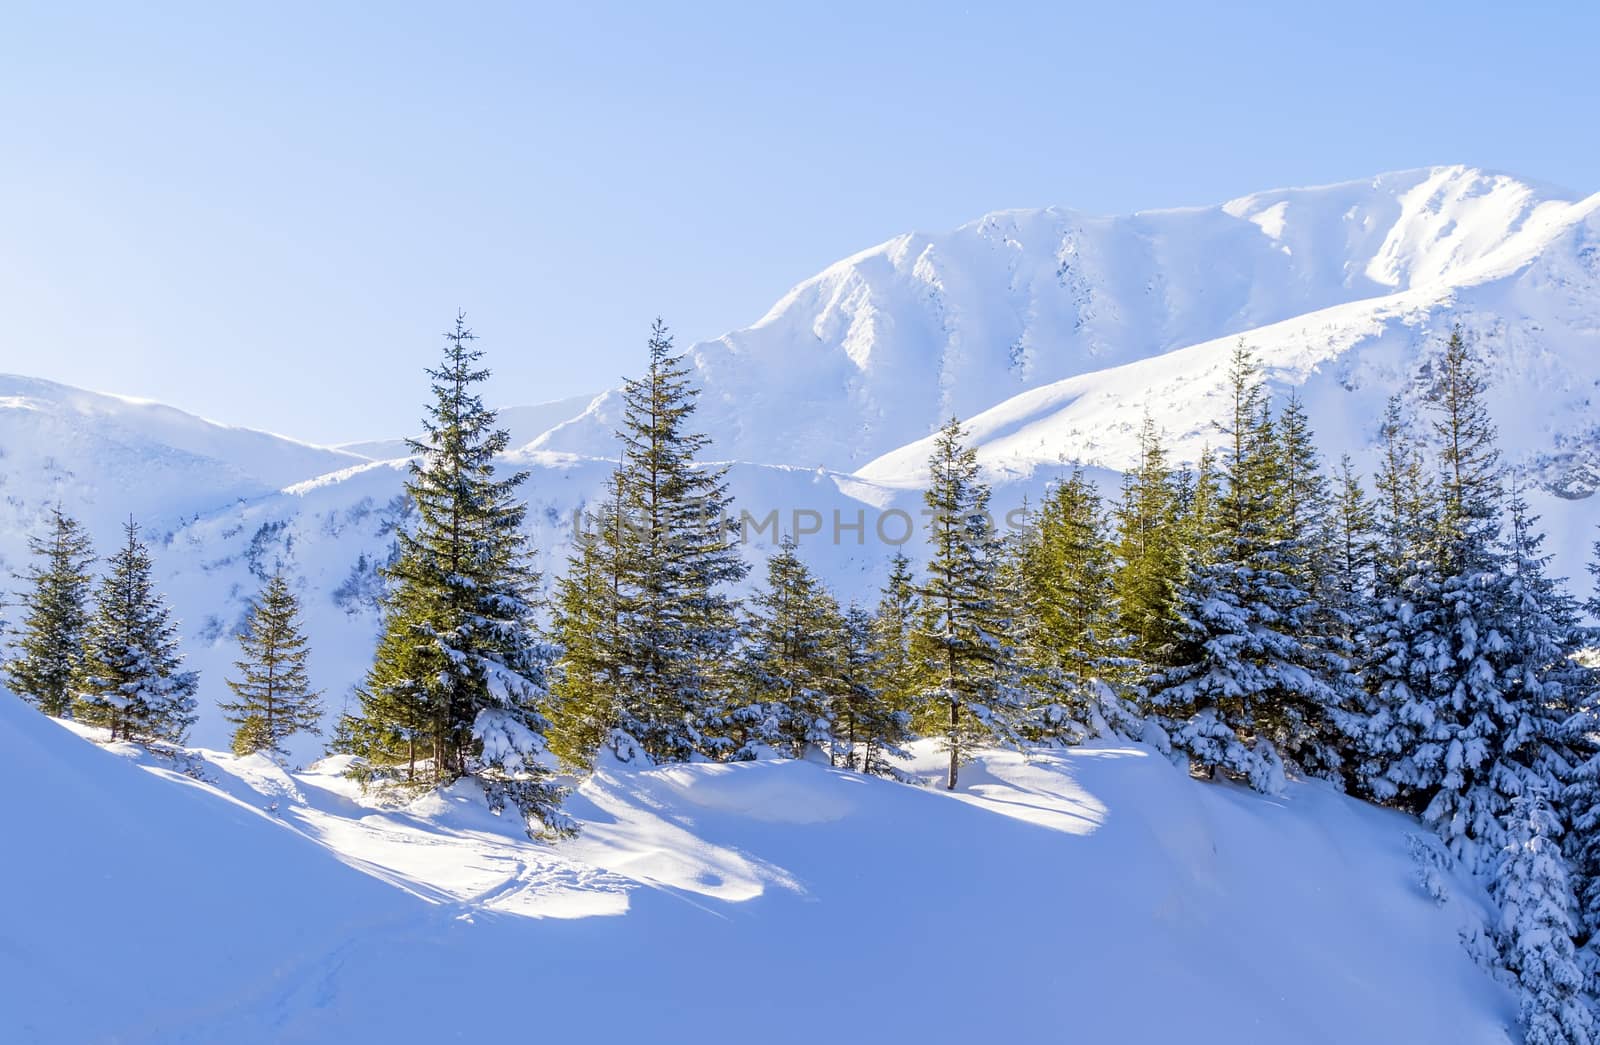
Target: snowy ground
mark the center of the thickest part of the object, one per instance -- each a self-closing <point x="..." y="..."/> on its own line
<point x="1090" y="895"/>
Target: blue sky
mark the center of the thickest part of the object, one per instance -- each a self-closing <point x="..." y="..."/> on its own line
<point x="266" y="213"/>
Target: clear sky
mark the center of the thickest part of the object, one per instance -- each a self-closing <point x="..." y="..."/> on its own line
<point x="266" y="213"/>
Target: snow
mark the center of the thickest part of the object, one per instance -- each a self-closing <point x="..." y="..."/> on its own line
<point x="524" y="423"/>
<point x="1096" y="893"/>
<point x="1050" y="332"/>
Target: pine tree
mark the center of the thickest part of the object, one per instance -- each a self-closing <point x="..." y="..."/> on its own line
<point x="1398" y="663"/>
<point x="901" y="677"/>
<point x="788" y="664"/>
<point x="1065" y="569"/>
<point x="1068" y="571"/>
<point x="679" y="625"/>
<point x="1243" y="689"/>
<point x="274" y="695"/>
<point x="132" y="683"/>
<point x="460" y="672"/>
<point x="50" y="640"/>
<point x="962" y="628"/>
<point x="1353" y="550"/>
<point x="1537" y="923"/>
<point x="1347" y="591"/>
<point x="1150" y="552"/>
<point x="868" y="729"/>
<point x="587" y="690"/>
<point x="1472" y="717"/>
<point x="1581" y="798"/>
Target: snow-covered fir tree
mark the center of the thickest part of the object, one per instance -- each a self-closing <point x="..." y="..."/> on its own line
<point x="789" y="661"/>
<point x="901" y="677"/>
<point x="1064" y="569"/>
<point x="1398" y="642"/>
<point x="1473" y="715"/>
<point x="1313" y="548"/>
<point x="49" y="637"/>
<point x="868" y="729"/>
<point x="1150" y="551"/>
<point x="133" y="682"/>
<point x="586" y="693"/>
<point x="461" y="672"/>
<point x="1538" y="915"/>
<point x="974" y="692"/>
<point x="679" y="624"/>
<point x="1581" y="795"/>
<point x="1243" y="689"/>
<point x="273" y="698"/>
<point x="1067" y="568"/>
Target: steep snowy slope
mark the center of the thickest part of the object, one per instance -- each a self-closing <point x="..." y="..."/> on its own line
<point x="875" y="351"/>
<point x="1532" y="304"/>
<point x="105" y="457"/>
<point x="525" y="423"/>
<point x="1090" y="895"/>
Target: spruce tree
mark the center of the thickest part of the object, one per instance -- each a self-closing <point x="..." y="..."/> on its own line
<point x="1068" y="573"/>
<point x="586" y="693"/>
<point x="1537" y="924"/>
<point x="1398" y="643"/>
<point x="132" y="681"/>
<point x="974" y="693"/>
<point x="460" y="671"/>
<point x="788" y="663"/>
<point x="901" y="677"/>
<point x="1581" y="797"/>
<point x="1150" y="552"/>
<point x="678" y="623"/>
<point x="274" y="698"/>
<point x="1471" y="716"/>
<point x="1065" y="567"/>
<point x="55" y="607"/>
<point x="869" y="730"/>
<point x="1243" y="690"/>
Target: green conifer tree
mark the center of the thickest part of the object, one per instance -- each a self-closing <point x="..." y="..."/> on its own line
<point x="868" y="729"/>
<point x="50" y="638"/>
<point x="459" y="676"/>
<point x="586" y="693"/>
<point x="1243" y="689"/>
<point x="901" y="677"/>
<point x="678" y="623"/>
<point x="132" y="683"/>
<point x="962" y="628"/>
<point x="788" y="663"/>
<point x="1150" y="546"/>
<point x="274" y="698"/>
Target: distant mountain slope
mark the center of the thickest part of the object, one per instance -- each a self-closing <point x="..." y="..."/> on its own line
<point x="1051" y="897"/>
<point x="107" y="457"/>
<point x="525" y="423"/>
<point x="1343" y="291"/>
<point x="875" y="351"/>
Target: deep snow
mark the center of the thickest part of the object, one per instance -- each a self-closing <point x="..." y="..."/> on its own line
<point x="1095" y="894"/>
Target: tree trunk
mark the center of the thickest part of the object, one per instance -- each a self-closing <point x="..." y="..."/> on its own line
<point x="955" y="761"/>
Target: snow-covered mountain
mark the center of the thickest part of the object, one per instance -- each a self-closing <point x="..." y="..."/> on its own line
<point x="875" y="351"/>
<point x="525" y="423"/>
<point x="782" y="897"/>
<point x="1050" y="331"/>
<point x="106" y="457"/>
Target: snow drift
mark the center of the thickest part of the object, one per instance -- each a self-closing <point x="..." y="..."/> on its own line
<point x="1094" y="894"/>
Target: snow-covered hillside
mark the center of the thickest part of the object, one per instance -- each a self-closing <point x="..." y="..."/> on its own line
<point x="1096" y="894"/>
<point x="1050" y="331"/>
<point x="524" y="423"/>
<point x="106" y="457"/>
